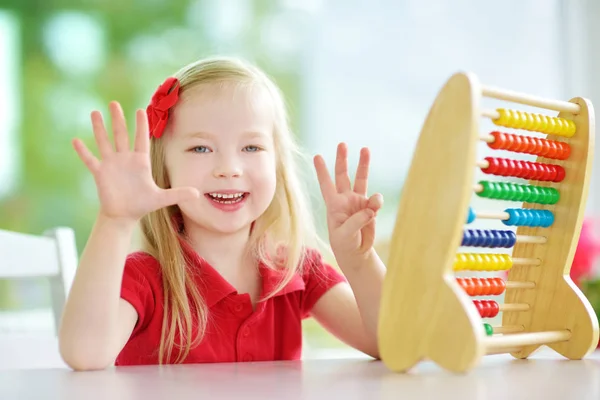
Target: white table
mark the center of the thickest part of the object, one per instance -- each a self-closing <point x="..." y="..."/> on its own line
<point x="498" y="377"/>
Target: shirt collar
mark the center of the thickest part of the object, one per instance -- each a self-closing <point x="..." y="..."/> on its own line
<point x="215" y="288"/>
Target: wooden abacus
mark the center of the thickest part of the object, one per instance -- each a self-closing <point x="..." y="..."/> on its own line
<point x="427" y="312"/>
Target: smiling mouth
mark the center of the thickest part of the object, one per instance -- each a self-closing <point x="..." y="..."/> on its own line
<point x="227" y="198"/>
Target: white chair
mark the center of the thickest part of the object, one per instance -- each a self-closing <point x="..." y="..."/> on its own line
<point x="52" y="255"/>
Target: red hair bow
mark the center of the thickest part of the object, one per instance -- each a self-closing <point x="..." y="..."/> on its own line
<point x="164" y="98"/>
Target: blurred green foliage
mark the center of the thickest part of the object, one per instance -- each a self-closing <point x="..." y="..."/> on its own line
<point x="55" y="188"/>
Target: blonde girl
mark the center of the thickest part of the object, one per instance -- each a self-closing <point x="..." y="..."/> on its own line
<point x="229" y="266"/>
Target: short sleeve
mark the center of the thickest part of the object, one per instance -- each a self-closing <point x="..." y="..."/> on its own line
<point x="319" y="277"/>
<point x="136" y="290"/>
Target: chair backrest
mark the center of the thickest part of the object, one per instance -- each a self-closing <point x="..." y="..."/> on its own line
<point x="52" y="255"/>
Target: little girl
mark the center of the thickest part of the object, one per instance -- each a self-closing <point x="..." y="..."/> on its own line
<point x="229" y="266"/>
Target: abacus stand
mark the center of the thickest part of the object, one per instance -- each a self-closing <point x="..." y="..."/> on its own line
<point x="425" y="314"/>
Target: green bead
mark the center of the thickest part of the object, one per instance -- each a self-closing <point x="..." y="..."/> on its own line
<point x="488" y="329"/>
<point x="514" y="192"/>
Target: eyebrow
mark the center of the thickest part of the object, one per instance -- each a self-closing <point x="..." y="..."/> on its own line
<point x="208" y="135"/>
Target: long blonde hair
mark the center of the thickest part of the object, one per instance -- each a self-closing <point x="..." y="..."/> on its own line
<point x="286" y="224"/>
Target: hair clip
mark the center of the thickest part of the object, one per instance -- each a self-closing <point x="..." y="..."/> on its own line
<point x="163" y="100"/>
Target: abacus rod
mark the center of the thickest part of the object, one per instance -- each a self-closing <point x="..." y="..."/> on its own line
<point x="527" y="99"/>
<point x="487" y="138"/>
<point x="519" y="285"/>
<point x="526" y="261"/>
<point x="532" y="239"/>
<point x="508" y="329"/>
<point x="492" y="114"/>
<point x="508" y="307"/>
<point x="496" y="344"/>
<point x="483" y="164"/>
<point x="492" y="215"/>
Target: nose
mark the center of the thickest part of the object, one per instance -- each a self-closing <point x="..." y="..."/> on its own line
<point x="227" y="167"/>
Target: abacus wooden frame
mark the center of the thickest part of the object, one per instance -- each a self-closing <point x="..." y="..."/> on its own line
<point x="425" y="314"/>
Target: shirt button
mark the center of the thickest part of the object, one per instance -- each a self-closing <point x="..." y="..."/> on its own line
<point x="248" y="357"/>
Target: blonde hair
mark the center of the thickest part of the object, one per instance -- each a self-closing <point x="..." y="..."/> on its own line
<point x="279" y="238"/>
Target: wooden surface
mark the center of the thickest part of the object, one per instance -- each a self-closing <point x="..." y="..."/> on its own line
<point x="556" y="303"/>
<point x="422" y="307"/>
<point x="497" y="377"/>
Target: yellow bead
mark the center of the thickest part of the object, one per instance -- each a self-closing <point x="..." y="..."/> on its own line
<point x="543" y="123"/>
<point x="537" y="122"/>
<point x="551" y="125"/>
<point x="572" y="127"/>
<point x="563" y="126"/>
<point x="527" y="120"/>
<point x="503" y="119"/>
<point x="517" y="118"/>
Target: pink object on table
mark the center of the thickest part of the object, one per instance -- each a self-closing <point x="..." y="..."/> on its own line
<point x="588" y="249"/>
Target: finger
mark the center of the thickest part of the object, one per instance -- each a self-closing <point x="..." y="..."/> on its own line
<point x="357" y="221"/>
<point x="368" y="235"/>
<point x="342" y="180"/>
<point x="142" y="135"/>
<point x="169" y="197"/>
<point x="362" y="172"/>
<point x="119" y="127"/>
<point x="86" y="155"/>
<point x="325" y="182"/>
<point x="375" y="202"/>
<point x="102" y="141"/>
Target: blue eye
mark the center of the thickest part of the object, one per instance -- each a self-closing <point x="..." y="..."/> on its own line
<point x="200" y="149"/>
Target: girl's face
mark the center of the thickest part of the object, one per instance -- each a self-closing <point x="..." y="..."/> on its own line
<point x="221" y="143"/>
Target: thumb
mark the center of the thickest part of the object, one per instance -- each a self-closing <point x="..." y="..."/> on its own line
<point x="178" y="195"/>
<point x="357" y="221"/>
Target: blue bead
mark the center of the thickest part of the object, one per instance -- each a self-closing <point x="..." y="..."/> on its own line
<point x="527" y="217"/>
<point x="488" y="238"/>
<point x="471" y="216"/>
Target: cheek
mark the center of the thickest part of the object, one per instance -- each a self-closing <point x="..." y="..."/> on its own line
<point x="264" y="174"/>
<point x="186" y="172"/>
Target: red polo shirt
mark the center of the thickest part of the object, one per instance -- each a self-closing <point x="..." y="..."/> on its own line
<point x="235" y="331"/>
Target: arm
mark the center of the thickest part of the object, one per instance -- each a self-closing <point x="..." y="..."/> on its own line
<point x="96" y="322"/>
<point x="351" y="311"/>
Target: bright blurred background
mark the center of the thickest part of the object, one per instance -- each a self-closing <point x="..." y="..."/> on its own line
<point x="364" y="72"/>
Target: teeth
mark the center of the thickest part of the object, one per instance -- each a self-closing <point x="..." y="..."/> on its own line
<point x="226" y="196"/>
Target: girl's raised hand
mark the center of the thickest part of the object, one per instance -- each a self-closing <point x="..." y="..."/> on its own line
<point x="123" y="176"/>
<point x="350" y="213"/>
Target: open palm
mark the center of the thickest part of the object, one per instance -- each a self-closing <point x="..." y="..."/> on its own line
<point x="350" y="213"/>
<point x="123" y="176"/>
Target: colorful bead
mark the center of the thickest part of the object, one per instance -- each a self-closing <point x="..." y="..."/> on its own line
<point x="524" y="169"/>
<point x="489" y="331"/>
<point x="471" y="216"/>
<point x="487" y="308"/>
<point x="515" y="192"/>
<point x="482" y="262"/>
<point x="488" y="238"/>
<point x="482" y="286"/>
<point x="530" y="145"/>
<point x="535" y="122"/>
<point x="529" y="217"/>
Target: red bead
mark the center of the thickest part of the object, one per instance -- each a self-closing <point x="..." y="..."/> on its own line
<point x="560" y="174"/>
<point x="500" y="285"/>
<point x="530" y="145"/>
<point x="524" y="169"/>
<point x="494" y="308"/>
